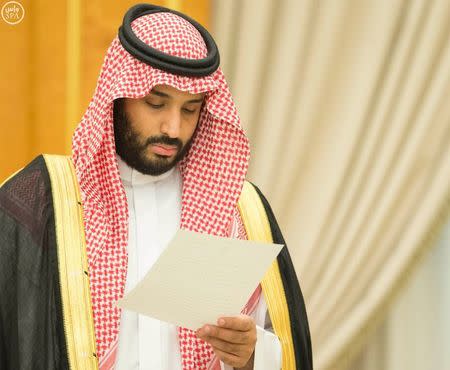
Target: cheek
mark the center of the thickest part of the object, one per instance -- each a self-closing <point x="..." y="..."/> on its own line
<point x="145" y="125"/>
<point x="189" y="127"/>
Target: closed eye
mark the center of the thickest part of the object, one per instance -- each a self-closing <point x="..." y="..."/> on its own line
<point x="155" y="106"/>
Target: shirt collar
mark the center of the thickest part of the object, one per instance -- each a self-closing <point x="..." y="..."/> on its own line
<point x="134" y="177"/>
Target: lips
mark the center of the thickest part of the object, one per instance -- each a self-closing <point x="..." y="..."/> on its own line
<point x="165" y="150"/>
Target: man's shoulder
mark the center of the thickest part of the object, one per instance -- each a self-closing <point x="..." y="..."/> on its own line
<point x="26" y="188"/>
<point x="30" y="175"/>
<point x="253" y="203"/>
<point x="251" y="193"/>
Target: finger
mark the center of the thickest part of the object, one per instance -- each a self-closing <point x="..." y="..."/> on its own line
<point x="230" y="359"/>
<point x="228" y="335"/>
<point x="241" y="322"/>
<point x="232" y="348"/>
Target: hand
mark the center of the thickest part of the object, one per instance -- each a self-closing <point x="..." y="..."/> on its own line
<point x="233" y="340"/>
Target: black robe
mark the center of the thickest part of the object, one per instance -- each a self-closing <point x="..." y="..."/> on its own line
<point x="31" y="325"/>
<point x="32" y="333"/>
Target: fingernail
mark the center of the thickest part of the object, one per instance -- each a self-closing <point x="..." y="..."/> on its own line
<point x="207" y="330"/>
<point x="221" y="322"/>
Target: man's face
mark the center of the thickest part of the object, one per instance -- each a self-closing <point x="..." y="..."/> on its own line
<point x="153" y="133"/>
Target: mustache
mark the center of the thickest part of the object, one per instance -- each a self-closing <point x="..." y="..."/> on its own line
<point x="164" y="140"/>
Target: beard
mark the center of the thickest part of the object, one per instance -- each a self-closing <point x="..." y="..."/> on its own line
<point x="132" y="148"/>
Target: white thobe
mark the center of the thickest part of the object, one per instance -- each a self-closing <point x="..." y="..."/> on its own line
<point x="154" y="204"/>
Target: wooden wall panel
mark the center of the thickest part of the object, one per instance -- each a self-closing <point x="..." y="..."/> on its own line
<point x="49" y="77"/>
<point x="15" y="94"/>
<point x="32" y="81"/>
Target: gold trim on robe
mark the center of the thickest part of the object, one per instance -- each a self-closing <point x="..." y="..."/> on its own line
<point x="257" y="227"/>
<point x="73" y="266"/>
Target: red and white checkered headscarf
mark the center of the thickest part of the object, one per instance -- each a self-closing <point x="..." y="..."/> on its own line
<point x="213" y="172"/>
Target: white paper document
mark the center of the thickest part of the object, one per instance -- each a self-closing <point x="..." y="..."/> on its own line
<point x="199" y="278"/>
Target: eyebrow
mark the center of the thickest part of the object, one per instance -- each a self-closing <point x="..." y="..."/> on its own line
<point x="164" y="95"/>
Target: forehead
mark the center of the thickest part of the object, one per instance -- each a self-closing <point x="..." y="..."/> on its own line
<point x="174" y="93"/>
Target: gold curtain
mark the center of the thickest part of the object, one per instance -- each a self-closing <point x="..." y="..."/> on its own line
<point x="346" y="106"/>
<point x="49" y="68"/>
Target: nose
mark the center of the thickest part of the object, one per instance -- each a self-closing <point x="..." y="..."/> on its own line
<point x="171" y="124"/>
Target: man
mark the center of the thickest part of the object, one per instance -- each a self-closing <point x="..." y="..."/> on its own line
<point x="159" y="148"/>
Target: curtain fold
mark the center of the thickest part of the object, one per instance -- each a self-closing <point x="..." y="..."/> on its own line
<point x="345" y="103"/>
<point x="417" y="320"/>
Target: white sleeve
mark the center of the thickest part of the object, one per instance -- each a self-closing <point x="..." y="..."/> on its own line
<point x="268" y="346"/>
